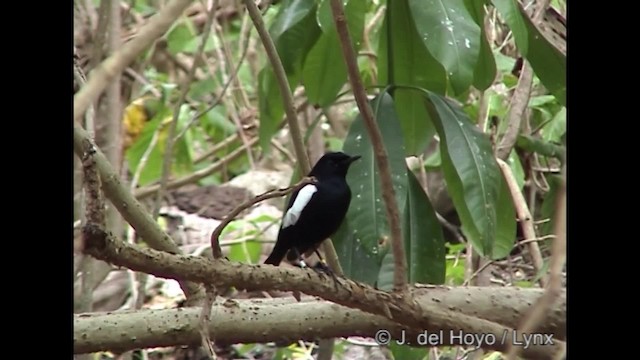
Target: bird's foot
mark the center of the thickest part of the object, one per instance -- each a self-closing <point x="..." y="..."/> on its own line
<point x="323" y="268"/>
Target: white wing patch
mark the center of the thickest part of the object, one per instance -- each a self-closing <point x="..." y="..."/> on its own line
<point x="303" y="198"/>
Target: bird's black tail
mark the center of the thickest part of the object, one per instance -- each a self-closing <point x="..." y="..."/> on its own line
<point x="276" y="256"/>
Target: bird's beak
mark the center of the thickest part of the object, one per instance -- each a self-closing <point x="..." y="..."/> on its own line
<point x="353" y="158"/>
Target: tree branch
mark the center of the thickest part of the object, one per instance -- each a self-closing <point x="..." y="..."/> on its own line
<point x="520" y="97"/>
<point x="128" y="206"/>
<point x="221" y="273"/>
<point x="306" y="320"/>
<point x="118" y="61"/>
<point x="382" y="159"/>
<point x="540" y="310"/>
<point x="525" y="219"/>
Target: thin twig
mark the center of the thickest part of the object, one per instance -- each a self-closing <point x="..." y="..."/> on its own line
<point x="452" y="228"/>
<point x="524" y="215"/>
<point x="141" y="79"/>
<point x="542" y="238"/>
<point x="283" y="150"/>
<point x="168" y="154"/>
<point x="517" y="107"/>
<point x="467" y="282"/>
<point x="540" y="309"/>
<point x="381" y="156"/>
<point x="119" y="60"/>
<point x="520" y="97"/>
<point x="215" y="241"/>
<point x="217" y="147"/>
<point x="283" y="83"/>
<point x="232" y="111"/>
<point x="196" y="175"/>
<point x="218" y="99"/>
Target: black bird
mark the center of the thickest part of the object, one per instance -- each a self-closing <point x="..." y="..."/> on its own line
<point x="315" y="211"/>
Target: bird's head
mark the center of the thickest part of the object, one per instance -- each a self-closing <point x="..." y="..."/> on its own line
<point x="333" y="164"/>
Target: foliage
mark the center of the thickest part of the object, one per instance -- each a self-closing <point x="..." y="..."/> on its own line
<point x="440" y="82"/>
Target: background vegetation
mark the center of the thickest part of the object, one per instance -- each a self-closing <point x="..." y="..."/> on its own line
<point x="469" y="97"/>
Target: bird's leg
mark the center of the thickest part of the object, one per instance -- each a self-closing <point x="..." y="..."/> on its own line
<point x="295" y="258"/>
<point x="324" y="267"/>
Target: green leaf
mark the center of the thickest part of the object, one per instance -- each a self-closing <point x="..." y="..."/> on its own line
<point x="183" y="154"/>
<point x="216" y="124"/>
<point x="404" y="60"/>
<point x="247" y="251"/>
<point x="506" y="223"/>
<point x="451" y="35"/>
<point x="385" y="275"/>
<point x="405" y="352"/>
<point x="548" y="63"/>
<point x="485" y="72"/>
<point x="294" y="31"/>
<point x="423" y="241"/>
<point x="323" y="76"/>
<point x="433" y="162"/>
<point x="423" y="238"/>
<point x="509" y="10"/>
<point x="455" y="271"/>
<point x="516" y="168"/>
<point x="270" y="105"/>
<point x="291" y="13"/>
<point x="557" y="127"/>
<point x="183" y="160"/>
<point x="549" y="204"/>
<point x="471" y="172"/>
<point x="179" y="37"/>
<point x="324" y="15"/>
<point x="364" y="237"/>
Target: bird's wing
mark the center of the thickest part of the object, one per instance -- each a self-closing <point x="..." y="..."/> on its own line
<point x="302" y="199"/>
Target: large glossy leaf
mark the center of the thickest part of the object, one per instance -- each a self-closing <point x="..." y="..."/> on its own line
<point x="323" y="76"/>
<point x="506" y="222"/>
<point x="548" y="63"/>
<point x="294" y="31"/>
<point x="471" y="172"/>
<point x="423" y="241"/>
<point x="270" y="105"/>
<point x="423" y="238"/>
<point x="291" y="12"/>
<point x="404" y="60"/>
<point x="451" y="35"/>
<point x="364" y="237"/>
<point x="485" y="71"/>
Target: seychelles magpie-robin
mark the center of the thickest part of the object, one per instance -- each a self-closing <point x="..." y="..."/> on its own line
<point x="315" y="211"/>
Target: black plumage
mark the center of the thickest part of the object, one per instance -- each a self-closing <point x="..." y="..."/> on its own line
<point x="315" y="211"/>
